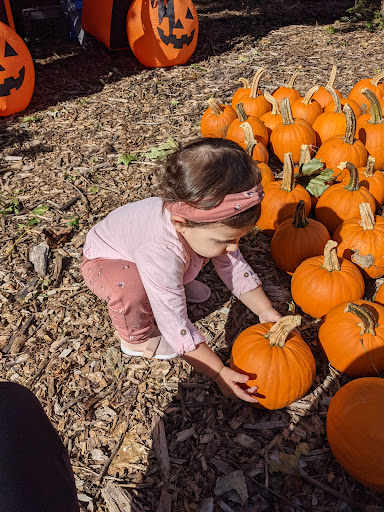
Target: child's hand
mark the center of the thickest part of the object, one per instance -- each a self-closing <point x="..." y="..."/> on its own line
<point x="228" y="381"/>
<point x="269" y="315"/>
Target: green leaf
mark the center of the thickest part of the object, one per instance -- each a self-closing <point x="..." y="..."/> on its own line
<point x="33" y="221"/>
<point x="163" y="150"/>
<point x="311" y="167"/>
<point x="196" y="66"/>
<point x="126" y="159"/>
<point x="94" y="189"/>
<point x="29" y="119"/>
<point x="11" y="208"/>
<point x="318" y="183"/>
<point x="40" y="210"/>
<point x="73" y="221"/>
<point x="174" y="102"/>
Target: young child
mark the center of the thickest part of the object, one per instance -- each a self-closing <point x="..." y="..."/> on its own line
<point x="143" y="258"/>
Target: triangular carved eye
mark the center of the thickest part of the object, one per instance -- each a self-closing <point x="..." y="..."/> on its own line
<point x="9" y="51"/>
<point x="189" y="15"/>
<point x="178" y="24"/>
<point x="1" y="68"/>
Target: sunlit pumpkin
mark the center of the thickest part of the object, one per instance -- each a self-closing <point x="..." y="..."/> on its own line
<point x="17" y="74"/>
<point x="162" y="33"/>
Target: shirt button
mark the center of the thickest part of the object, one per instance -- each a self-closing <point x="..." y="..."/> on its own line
<point x="246" y="274"/>
<point x="183" y="332"/>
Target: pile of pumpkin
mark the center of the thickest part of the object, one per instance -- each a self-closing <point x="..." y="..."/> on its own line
<point x="328" y="256"/>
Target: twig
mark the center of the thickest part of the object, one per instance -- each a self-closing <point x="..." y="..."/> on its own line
<point x="79" y="191"/>
<point x="329" y="490"/>
<point x="69" y="203"/>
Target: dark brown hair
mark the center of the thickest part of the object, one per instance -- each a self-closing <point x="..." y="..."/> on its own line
<point x="203" y="172"/>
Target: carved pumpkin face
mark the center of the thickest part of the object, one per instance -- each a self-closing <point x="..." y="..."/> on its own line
<point x="162" y="33"/>
<point x="17" y="74"/>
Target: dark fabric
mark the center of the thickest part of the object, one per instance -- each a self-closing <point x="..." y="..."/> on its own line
<point x="35" y="472"/>
<point x="3" y="13"/>
<point x="119" y="38"/>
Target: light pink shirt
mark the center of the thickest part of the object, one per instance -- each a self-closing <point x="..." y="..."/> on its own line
<point x="142" y="233"/>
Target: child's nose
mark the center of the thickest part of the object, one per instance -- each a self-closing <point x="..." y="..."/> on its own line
<point x="232" y="247"/>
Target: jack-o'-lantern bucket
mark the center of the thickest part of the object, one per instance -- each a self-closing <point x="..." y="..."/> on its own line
<point x="162" y="32"/>
<point x="17" y="73"/>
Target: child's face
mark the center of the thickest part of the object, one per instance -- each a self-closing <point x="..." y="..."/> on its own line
<point x="210" y="242"/>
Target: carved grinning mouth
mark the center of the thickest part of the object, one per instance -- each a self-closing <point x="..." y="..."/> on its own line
<point x="178" y="43"/>
<point x="12" y="83"/>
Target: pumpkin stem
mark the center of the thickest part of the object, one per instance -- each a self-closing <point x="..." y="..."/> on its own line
<point x="351" y="124"/>
<point x="286" y="112"/>
<point x="293" y="78"/>
<point x="241" y="112"/>
<point x="278" y="333"/>
<point x="245" y="82"/>
<point x="353" y="183"/>
<point x="369" y="169"/>
<point x="288" y="181"/>
<point x="215" y="106"/>
<point x="368" y="321"/>
<point x="249" y="138"/>
<point x="307" y="98"/>
<point x="305" y="155"/>
<point x="336" y="99"/>
<point x="332" y="76"/>
<point x="367" y="216"/>
<point x="273" y="101"/>
<point x="376" y="112"/>
<point x="255" y="83"/>
<point x="331" y="261"/>
<point x="300" y="218"/>
<point x="376" y="79"/>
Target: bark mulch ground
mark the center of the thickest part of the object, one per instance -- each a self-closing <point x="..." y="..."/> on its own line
<point x="150" y="435"/>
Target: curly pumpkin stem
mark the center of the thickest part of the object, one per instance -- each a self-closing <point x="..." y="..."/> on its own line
<point x="331" y="261"/>
<point x="293" y="78"/>
<point x="353" y="183"/>
<point x="332" y="76"/>
<point x="255" y="83"/>
<point x="367" y="216"/>
<point x="245" y="82"/>
<point x="241" y="112"/>
<point x="215" y="106"/>
<point x="273" y="101"/>
<point x="249" y="138"/>
<point x="369" y="168"/>
<point x="336" y="99"/>
<point x="376" y="112"/>
<point x="351" y="124"/>
<point x="368" y="321"/>
<point x="278" y="333"/>
<point x="376" y="79"/>
<point x="300" y="217"/>
<point x="288" y="181"/>
<point x="307" y="98"/>
<point x="286" y="112"/>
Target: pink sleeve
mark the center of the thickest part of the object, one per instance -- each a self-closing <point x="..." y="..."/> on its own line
<point x="235" y="272"/>
<point x="161" y="269"/>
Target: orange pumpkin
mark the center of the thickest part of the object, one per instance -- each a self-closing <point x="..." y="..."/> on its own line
<point x="355" y="430"/>
<point x="236" y="133"/>
<point x="255" y="149"/>
<point x="341" y="202"/>
<point x="254" y="102"/>
<point x="273" y="117"/>
<point x="352" y="337"/>
<point x="298" y="239"/>
<point x="271" y="355"/>
<point x="267" y="175"/>
<point x="322" y="96"/>
<point x="372" y="84"/>
<point x="17" y="74"/>
<point x="288" y="91"/>
<point x="216" y="119"/>
<point x="246" y="89"/>
<point x="361" y="240"/>
<point x="322" y="282"/>
<point x="307" y="108"/>
<point x="289" y="136"/>
<point x="371" y="133"/>
<point x="345" y="101"/>
<point x="332" y="123"/>
<point x="281" y="198"/>
<point x="162" y="33"/>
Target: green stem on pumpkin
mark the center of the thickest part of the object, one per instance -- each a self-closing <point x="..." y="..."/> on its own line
<point x="376" y="79"/>
<point x="353" y="183"/>
<point x="293" y="78"/>
<point x="245" y="82"/>
<point x="351" y="124"/>
<point x="367" y="216"/>
<point x="332" y="76"/>
<point x="336" y="99"/>
<point x="376" y="112"/>
<point x="215" y="106"/>
<point x="288" y="181"/>
<point x="307" y="98"/>
<point x="369" y="168"/>
<point x="273" y="101"/>
<point x="249" y="138"/>
<point x="368" y="321"/>
<point x="255" y="83"/>
<point x="286" y="112"/>
<point x="331" y="261"/>
<point x="300" y="217"/>
<point x="278" y="333"/>
<point x="241" y="112"/>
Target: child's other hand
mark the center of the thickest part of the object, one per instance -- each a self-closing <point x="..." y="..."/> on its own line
<point x="269" y="315"/>
<point x="228" y="381"/>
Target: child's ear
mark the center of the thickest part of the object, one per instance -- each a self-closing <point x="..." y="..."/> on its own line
<point x="179" y="223"/>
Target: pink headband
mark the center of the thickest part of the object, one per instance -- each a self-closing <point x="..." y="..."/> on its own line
<point x="231" y="205"/>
